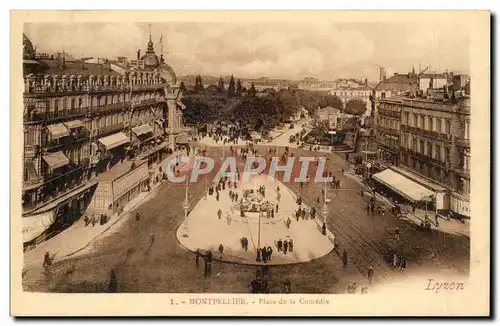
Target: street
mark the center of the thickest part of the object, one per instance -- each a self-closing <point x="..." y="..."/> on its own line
<point x="165" y="266"/>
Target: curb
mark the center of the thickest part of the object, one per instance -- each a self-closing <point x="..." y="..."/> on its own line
<point x="119" y="217"/>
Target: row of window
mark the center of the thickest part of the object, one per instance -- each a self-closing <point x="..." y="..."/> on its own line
<point x="354" y="93"/>
<point x="427" y="148"/>
<point x="388" y="122"/>
<point x="32" y="136"/>
<point x="70" y="103"/>
<point x="427" y="122"/>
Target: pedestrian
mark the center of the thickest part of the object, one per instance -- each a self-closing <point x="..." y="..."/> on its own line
<point x="288" y="222"/>
<point x="396" y="234"/>
<point x="403" y="263"/>
<point x="285" y="246"/>
<point x="313" y="212"/>
<point x="288" y="286"/>
<point x="113" y="284"/>
<point x="303" y="213"/>
<point x="242" y="241"/>
<point x="394" y="260"/>
<point x="217" y="195"/>
<point x="221" y="250"/>
<point x="290" y="245"/>
<point x="272" y="212"/>
<point x="323" y="229"/>
<point x="280" y="245"/>
<point x="345" y="260"/>
<point x="219" y="213"/>
<point x="437" y="222"/>
<point x="269" y="252"/>
<point x="263" y="254"/>
<point x="368" y="208"/>
<point x="94" y="220"/>
<point x="277" y="207"/>
<point x="137" y="216"/>
<point x="370" y="274"/>
<point x="209" y="259"/>
<point x="197" y="258"/>
<point x="86" y="220"/>
<point x="246" y="244"/>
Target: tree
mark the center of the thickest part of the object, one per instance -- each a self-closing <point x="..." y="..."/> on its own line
<point x="182" y="87"/>
<point x="198" y="85"/>
<point x="239" y="87"/>
<point x="332" y="101"/>
<point x="355" y="107"/>
<point x="220" y="85"/>
<point x="252" y="91"/>
<point x="231" y="89"/>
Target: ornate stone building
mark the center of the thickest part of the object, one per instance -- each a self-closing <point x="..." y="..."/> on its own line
<point x="83" y="121"/>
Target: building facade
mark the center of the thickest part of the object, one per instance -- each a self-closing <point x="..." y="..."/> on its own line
<point x="348" y="90"/>
<point x="83" y="119"/>
<point x="427" y="139"/>
<point x="388" y="129"/>
<point x="435" y="144"/>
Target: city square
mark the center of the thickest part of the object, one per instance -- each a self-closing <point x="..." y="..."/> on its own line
<point x="386" y="196"/>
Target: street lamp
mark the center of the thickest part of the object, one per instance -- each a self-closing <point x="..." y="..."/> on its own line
<point x="185" y="206"/>
<point x="258" y="258"/>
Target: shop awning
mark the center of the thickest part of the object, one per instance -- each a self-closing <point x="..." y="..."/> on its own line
<point x="74" y="124"/>
<point x="403" y="186"/>
<point x="114" y="140"/>
<point x="56" y="160"/>
<point x="181" y="105"/>
<point x="58" y="130"/>
<point x="143" y="129"/>
<point x="182" y="139"/>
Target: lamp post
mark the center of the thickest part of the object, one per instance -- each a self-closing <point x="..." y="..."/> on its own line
<point x="185" y="206"/>
<point x="258" y="258"/>
<point x="325" y="205"/>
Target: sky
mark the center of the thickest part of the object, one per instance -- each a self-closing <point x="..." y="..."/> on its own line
<point x="275" y="50"/>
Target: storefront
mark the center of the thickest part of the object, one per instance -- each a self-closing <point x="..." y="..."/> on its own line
<point x="460" y="205"/>
<point x="404" y="187"/>
<point x="118" y="186"/>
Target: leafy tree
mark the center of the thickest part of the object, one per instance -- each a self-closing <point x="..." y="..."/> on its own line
<point x="220" y="85"/>
<point x="231" y="89"/>
<point x="239" y="88"/>
<point x="198" y="86"/>
<point x="355" y="107"/>
<point x="332" y="101"/>
<point x="252" y="91"/>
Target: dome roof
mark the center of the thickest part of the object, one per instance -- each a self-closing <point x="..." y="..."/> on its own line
<point x="167" y="73"/>
<point x="28" y="49"/>
<point x="150" y="60"/>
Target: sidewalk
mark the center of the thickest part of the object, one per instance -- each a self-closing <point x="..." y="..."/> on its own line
<point x="78" y="237"/>
<point x="452" y="226"/>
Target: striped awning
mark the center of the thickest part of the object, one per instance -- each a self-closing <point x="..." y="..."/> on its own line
<point x="404" y="186"/>
<point x="56" y="160"/>
<point x="143" y="129"/>
<point x="74" y="124"/>
<point x="58" y="130"/>
<point x="181" y="105"/>
<point x="114" y="140"/>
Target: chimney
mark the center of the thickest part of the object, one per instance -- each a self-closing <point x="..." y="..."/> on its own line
<point x="139" y="54"/>
<point x="457" y="82"/>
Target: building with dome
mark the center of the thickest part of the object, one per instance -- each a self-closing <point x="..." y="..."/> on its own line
<point x="94" y="133"/>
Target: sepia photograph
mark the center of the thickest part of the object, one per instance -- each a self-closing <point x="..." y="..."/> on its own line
<point x="251" y="160"/>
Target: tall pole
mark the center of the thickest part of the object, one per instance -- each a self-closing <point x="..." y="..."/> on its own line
<point x="325" y="206"/>
<point x="185" y="206"/>
<point x="258" y="258"/>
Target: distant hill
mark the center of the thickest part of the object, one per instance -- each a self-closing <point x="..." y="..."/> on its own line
<point x="208" y="80"/>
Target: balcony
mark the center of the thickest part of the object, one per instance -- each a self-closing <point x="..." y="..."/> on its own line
<point x="462" y="141"/>
<point x="75" y="113"/>
<point x="389" y="113"/>
<point x="38" y="92"/>
<point x="63" y="172"/>
<point x="388" y="130"/>
<point x="146" y="87"/>
<point x="462" y="171"/>
<point x="145" y="103"/>
<point x="110" y="129"/>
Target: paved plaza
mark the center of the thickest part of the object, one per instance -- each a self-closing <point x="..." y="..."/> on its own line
<point x="206" y="231"/>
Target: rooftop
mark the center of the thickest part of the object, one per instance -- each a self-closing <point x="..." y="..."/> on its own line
<point x="399" y="83"/>
<point x="120" y="170"/>
<point x="55" y="67"/>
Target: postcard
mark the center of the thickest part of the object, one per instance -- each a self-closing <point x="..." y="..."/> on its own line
<point x="239" y="163"/>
